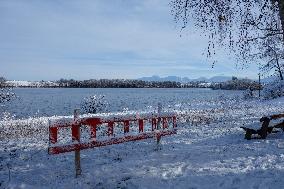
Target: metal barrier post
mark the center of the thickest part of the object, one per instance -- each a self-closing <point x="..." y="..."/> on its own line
<point x="158" y="136"/>
<point x="76" y="137"/>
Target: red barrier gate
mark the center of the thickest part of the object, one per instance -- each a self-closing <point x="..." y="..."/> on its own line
<point x="94" y="124"/>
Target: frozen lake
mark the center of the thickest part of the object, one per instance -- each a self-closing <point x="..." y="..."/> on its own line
<point x="33" y="102"/>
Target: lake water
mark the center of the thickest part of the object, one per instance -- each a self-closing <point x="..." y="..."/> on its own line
<point x="32" y="102"/>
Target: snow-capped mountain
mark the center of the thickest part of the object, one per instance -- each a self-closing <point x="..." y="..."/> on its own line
<point x="185" y="79"/>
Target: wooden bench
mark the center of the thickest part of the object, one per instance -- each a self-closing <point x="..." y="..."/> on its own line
<point x="265" y="128"/>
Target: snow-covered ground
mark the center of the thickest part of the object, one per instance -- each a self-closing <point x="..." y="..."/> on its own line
<point x="209" y="151"/>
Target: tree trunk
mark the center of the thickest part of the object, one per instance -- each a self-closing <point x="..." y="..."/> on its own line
<point x="281" y="75"/>
<point x="278" y="67"/>
<point x="281" y="13"/>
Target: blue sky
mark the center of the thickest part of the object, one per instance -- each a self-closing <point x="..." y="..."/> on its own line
<point x="49" y="40"/>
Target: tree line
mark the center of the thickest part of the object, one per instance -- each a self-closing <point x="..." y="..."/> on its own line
<point x="114" y="83"/>
<point x="234" y="84"/>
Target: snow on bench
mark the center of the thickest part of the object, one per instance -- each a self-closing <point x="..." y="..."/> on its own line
<point x="265" y="128"/>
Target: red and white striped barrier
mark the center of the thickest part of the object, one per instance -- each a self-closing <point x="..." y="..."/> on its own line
<point x="94" y="123"/>
<point x="135" y="127"/>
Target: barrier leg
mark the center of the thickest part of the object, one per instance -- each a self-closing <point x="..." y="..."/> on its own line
<point x="110" y="128"/>
<point x="165" y="123"/>
<point x="174" y="122"/>
<point x="126" y="127"/>
<point x="154" y="124"/>
<point x="158" y="142"/>
<point x="52" y="135"/>
<point x="141" y="125"/>
<point x="158" y="136"/>
<point x="77" y="138"/>
<point x="78" y="163"/>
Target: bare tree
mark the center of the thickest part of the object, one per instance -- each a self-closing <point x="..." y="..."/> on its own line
<point x="272" y="53"/>
<point x="244" y="26"/>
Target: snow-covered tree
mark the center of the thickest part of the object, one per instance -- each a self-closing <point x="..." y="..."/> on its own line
<point x="6" y="93"/>
<point x="274" y="89"/>
<point x="248" y="94"/>
<point x="241" y="25"/>
<point x="94" y="104"/>
<point x="273" y="55"/>
<point x="2" y="82"/>
<point x="252" y="29"/>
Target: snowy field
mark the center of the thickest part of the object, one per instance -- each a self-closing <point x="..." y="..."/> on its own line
<point x="209" y="151"/>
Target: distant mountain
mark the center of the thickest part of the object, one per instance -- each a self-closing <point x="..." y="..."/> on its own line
<point x="200" y="79"/>
<point x="185" y="79"/>
<point x="219" y="79"/>
<point x="168" y="78"/>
